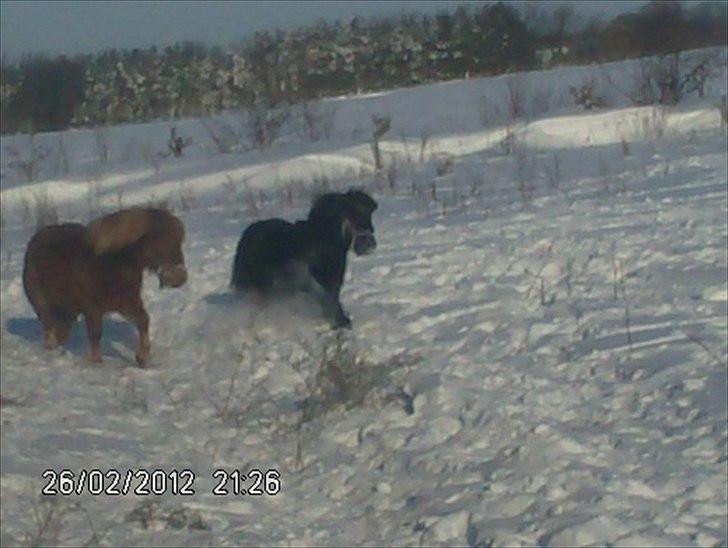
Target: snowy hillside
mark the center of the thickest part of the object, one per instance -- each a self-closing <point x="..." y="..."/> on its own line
<point x="539" y="346"/>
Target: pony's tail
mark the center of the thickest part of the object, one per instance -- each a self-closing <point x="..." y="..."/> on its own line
<point x="237" y="281"/>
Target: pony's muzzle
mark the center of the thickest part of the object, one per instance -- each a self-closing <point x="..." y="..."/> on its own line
<point x="364" y="243"/>
<point x="172" y="276"/>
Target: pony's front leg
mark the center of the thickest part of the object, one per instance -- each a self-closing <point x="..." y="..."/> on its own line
<point x="136" y="314"/>
<point x="94" y="324"/>
<point x="330" y="304"/>
<point x="328" y="275"/>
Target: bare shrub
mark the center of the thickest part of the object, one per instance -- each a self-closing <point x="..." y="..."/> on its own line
<point x="540" y="101"/>
<point x="159" y="203"/>
<point x="654" y="122"/>
<point x="101" y="144"/>
<point x="26" y="210"/>
<point x="585" y="96"/>
<point x="263" y="124"/>
<point x="41" y="208"/>
<point x="476" y="183"/>
<point x="128" y="150"/>
<point x="27" y="164"/>
<point x="697" y="76"/>
<point x="293" y="190"/>
<point x="177" y="144"/>
<point x="230" y="186"/>
<point x="187" y="197"/>
<point x="93" y="195"/>
<point x="451" y="201"/>
<point x="49" y="517"/>
<point x="625" y="146"/>
<point x="424" y="138"/>
<point x="620" y="289"/>
<point x="667" y="79"/>
<point x="392" y="174"/>
<point x="321" y="183"/>
<point x="553" y="172"/>
<point x="666" y="74"/>
<point x="722" y="107"/>
<point x="317" y="119"/>
<point x="246" y="197"/>
<point x="715" y="354"/>
<point x="405" y="146"/>
<point x="236" y="191"/>
<point x="523" y="173"/>
<point x="251" y="202"/>
<point x="224" y="408"/>
<point x="223" y="135"/>
<point x="645" y="89"/>
<point x="150" y="515"/>
<point x="488" y="113"/>
<point x="516" y="97"/>
<point x="508" y="143"/>
<point x="62" y="163"/>
<point x="444" y="165"/>
<point x="343" y="380"/>
<point x="236" y="404"/>
<point x="132" y="398"/>
<point x="154" y="158"/>
<point x="337" y="381"/>
<point x="380" y="126"/>
<point x="335" y="378"/>
<point x="7" y="261"/>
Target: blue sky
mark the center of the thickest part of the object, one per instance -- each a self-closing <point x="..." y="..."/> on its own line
<point x="85" y="26"/>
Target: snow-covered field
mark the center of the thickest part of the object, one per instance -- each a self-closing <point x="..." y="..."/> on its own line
<point x="539" y="345"/>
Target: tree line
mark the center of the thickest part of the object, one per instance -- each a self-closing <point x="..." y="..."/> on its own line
<point x="43" y="93"/>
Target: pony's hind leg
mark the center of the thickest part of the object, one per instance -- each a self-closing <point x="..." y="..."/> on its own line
<point x="94" y="325"/>
<point x="135" y="313"/>
<point x="58" y="328"/>
<point x="50" y="339"/>
<point x="64" y="323"/>
<point x="45" y="315"/>
<point x="51" y="332"/>
<point x="260" y="299"/>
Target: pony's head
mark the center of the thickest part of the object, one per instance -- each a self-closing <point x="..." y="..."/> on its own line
<point x="353" y="212"/>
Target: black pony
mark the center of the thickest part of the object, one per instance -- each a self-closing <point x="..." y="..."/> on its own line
<point x="307" y="255"/>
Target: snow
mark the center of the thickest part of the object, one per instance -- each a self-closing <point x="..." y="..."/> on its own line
<point x="491" y="391"/>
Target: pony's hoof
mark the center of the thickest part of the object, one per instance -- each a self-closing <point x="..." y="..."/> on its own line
<point x="343" y="322"/>
<point x="50" y="341"/>
<point x="142" y="358"/>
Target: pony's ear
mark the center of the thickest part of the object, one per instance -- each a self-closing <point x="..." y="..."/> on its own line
<point x="361" y="200"/>
<point x="118" y="230"/>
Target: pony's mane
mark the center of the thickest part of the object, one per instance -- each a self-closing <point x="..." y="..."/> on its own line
<point x="126" y="227"/>
<point x="331" y="204"/>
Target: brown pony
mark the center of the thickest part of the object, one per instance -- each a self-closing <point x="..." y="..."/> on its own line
<point x="73" y="269"/>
